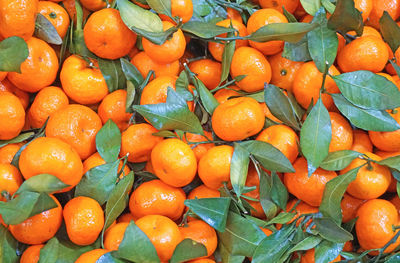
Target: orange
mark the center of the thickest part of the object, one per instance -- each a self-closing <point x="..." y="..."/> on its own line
<point x="393" y="184"/>
<point x="268" y="113"/>
<point x="223" y="95"/>
<point x="233" y="14"/>
<point x="367" y="31"/>
<point x="91" y="256"/>
<point x="3" y="75"/>
<point x="96" y="160"/>
<point x="201" y="232"/>
<point x="342" y="134"/>
<point x="308" y="189"/>
<point x="174" y="162"/>
<point x="81" y="82"/>
<point x="144" y="64"/>
<point x="127" y="217"/>
<point x="39" y="70"/>
<point x="203" y="191"/>
<point x="31" y="254"/>
<point x="170" y="51"/>
<point x="215" y="165"/>
<point x="262" y="18"/>
<point x="84" y="220"/>
<point x="114" y="236"/>
<point x="387" y="141"/>
<point x="8" y="152"/>
<point x="378" y="6"/>
<point x="23" y="96"/>
<point x="309" y="257"/>
<point x="364" y="53"/>
<point x="208" y="71"/>
<point x="57" y="16"/>
<point x="107" y="36"/>
<point x="200" y="149"/>
<point x="17" y="18"/>
<point x="46" y="102"/>
<point x="10" y="179"/>
<point x="94" y="5"/>
<point x="138" y="141"/>
<point x="307" y="84"/>
<point x="181" y="8"/>
<point x="253" y="180"/>
<point x="162" y="232"/>
<point x="348" y="246"/>
<point x="12" y="115"/>
<point x="283" y="138"/>
<point x="349" y="207"/>
<point x="371" y="181"/>
<point x="365" y="7"/>
<point x="396" y="202"/>
<point x="156" y="90"/>
<point x="361" y="141"/>
<point x="157" y="198"/>
<point x="51" y="156"/>
<point x="283" y="71"/>
<point x="252" y="63"/>
<point x="238" y="119"/>
<point x="39" y="228"/>
<point x="113" y="107"/>
<point x="202" y="260"/>
<point x="77" y="125"/>
<point x="290" y="5"/>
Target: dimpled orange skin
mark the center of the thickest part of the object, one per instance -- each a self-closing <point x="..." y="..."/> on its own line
<point x="361" y="142"/>
<point x="77" y="125"/>
<point x="31" y="254"/>
<point x="57" y="16"/>
<point x="309" y="257"/>
<point x="23" y="96"/>
<point x="342" y="134"/>
<point x="51" y="156"/>
<point x="113" y="107"/>
<point x="8" y="152"/>
<point x="174" y="162"/>
<point x="387" y="141"/>
<point x="307" y="84"/>
<point x="201" y="149"/>
<point x="172" y="49"/>
<point x="12" y="115"/>
<point x="349" y="207"/>
<point x="39" y="228"/>
<point x="10" y="179"/>
<point x="84" y="220"/>
<point x="107" y="36"/>
<point x="39" y="70"/>
<point x="91" y="256"/>
<point x="283" y="71"/>
<point x="96" y="160"/>
<point x="215" y="165"/>
<point x="157" y="198"/>
<point x="208" y="71"/>
<point x="82" y="83"/>
<point x="364" y="53"/>
<point x="156" y="90"/>
<point x="144" y="64"/>
<point x="201" y="232"/>
<point x="138" y="141"/>
<point x="391" y="6"/>
<point x="283" y="138"/>
<point x="369" y="184"/>
<point x="290" y="5"/>
<point x="181" y="8"/>
<point x="162" y="232"/>
<point x="114" y="236"/>
<point x="253" y="180"/>
<point x="308" y="189"/>
<point x="252" y="63"/>
<point x="17" y="18"/>
<point x="47" y="101"/>
<point x="263" y="17"/>
<point x="237" y="119"/>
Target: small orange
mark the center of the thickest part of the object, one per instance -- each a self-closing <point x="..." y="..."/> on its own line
<point x="342" y="134"/>
<point x="113" y="107"/>
<point x="283" y="71"/>
<point x="361" y="141"/>
<point x="23" y="96"/>
<point x="378" y="6"/>
<point x="203" y="191"/>
<point x="91" y="256"/>
<point x="57" y="16"/>
<point x="349" y="207"/>
<point x="31" y="254"/>
<point x="156" y="90"/>
<point x="144" y="64"/>
<point x="223" y="95"/>
<point x="174" y="162"/>
<point x="114" y="236"/>
<point x="200" y="149"/>
<point x="238" y="119"/>
<point x="96" y="160"/>
<point x="94" y="5"/>
<point x="8" y="152"/>
<point x="3" y="75"/>
<point x="309" y="257"/>
<point x="387" y="141"/>
<point x="12" y="115"/>
<point x="10" y="179"/>
<point x="348" y="246"/>
<point x="201" y="232"/>
<point x="181" y="8"/>
<point x="208" y="71"/>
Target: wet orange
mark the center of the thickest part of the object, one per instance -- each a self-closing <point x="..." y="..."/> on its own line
<point x="181" y="8"/>
<point x="223" y="95"/>
<point x="8" y="152"/>
<point x="156" y="90"/>
<point x="114" y="236"/>
<point x="361" y="141"/>
<point x="57" y="16"/>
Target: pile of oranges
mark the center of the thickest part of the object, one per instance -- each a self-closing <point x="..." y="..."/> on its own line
<point x="130" y="142"/>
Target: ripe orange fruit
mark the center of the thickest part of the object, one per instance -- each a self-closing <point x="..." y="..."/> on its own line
<point x="23" y="96"/>
<point x="181" y="8"/>
<point x="170" y="51"/>
<point x="253" y="180"/>
<point x="39" y="228"/>
<point x="203" y="191"/>
<point x="202" y="260"/>
<point x="233" y="14"/>
<point x="238" y="119"/>
<point x="81" y="82"/>
<point x="157" y="198"/>
<point x="56" y="14"/>
<point x="283" y="138"/>
<point x="162" y="232"/>
<point x="8" y="152"/>
<point x="113" y="107"/>
<point x="223" y="95"/>
<point x="208" y="71"/>
<point x="114" y="236"/>
<point x="10" y="179"/>
<point x="371" y="181"/>
<point x="361" y="141"/>
<point x="261" y="18"/>
<point x="12" y="115"/>
<point x="46" y="102"/>
<point x="283" y="71"/>
<point x="307" y="84"/>
<point x="215" y="165"/>
<point x="96" y="160"/>
<point x="17" y="18"/>
<point x="91" y="256"/>
<point x="77" y="125"/>
<point x="378" y="6"/>
<point x="138" y="141"/>
<point x="309" y="257"/>
<point x="342" y="134"/>
<point x="94" y="5"/>
<point x="308" y="189"/>
<point x="252" y="63"/>
<point x="51" y="156"/>
<point x="268" y="113"/>
<point x="174" y="162"/>
<point x="290" y="5"/>
<point x="156" y="90"/>
<point x="396" y="202"/>
<point x="107" y="36"/>
<point x="349" y="207"/>
<point x="3" y="75"/>
<point x="393" y="184"/>
<point x="31" y="254"/>
<point x="39" y="70"/>
<point x="387" y="141"/>
<point x="127" y="217"/>
<point x="365" y="7"/>
<point x="200" y="149"/>
<point x="201" y="232"/>
<point x="144" y="64"/>
<point x="367" y="31"/>
<point x="84" y="220"/>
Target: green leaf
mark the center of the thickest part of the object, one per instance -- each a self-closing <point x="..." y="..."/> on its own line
<point x="43" y="203"/>
<point x="311" y="6"/>
<point x="204" y="10"/>
<point x="279" y="193"/>
<point x="20" y="138"/>
<point x="239" y="168"/>
<point x="333" y="193"/>
<point x="130" y="96"/>
<point x="368" y="90"/>
<point x="346" y="18"/>
<point x="160" y="6"/>
<point x="371" y="120"/>
<point x="98" y="182"/>
<point x="108" y="141"/>
<point x="322" y="42"/>
<point x="226" y="256"/>
<point x="392" y="162"/>
<point x="13" y="51"/>
<point x="290" y="17"/>
<point x="49" y="253"/>
<point x="208" y="100"/>
<point x="327" y="251"/>
<point x="42" y="183"/>
<point x="339" y="160"/>
<point x="315" y="136"/>
<point x="131" y="72"/>
<point x="45" y="30"/>
<point x="188" y="249"/>
<point x="213" y="211"/>
<point x="269" y="157"/>
<point x="289" y="32"/>
<point x="77" y="45"/>
<point x="135" y="16"/>
<point x="69" y="252"/>
<point x="297" y="51"/>
<point x="157" y="38"/>
<point x="390" y="31"/>
<point x="205" y="30"/>
<point x="306" y="244"/>
<point x="328" y="6"/>
<point x="229" y="49"/>
<point x="329" y="230"/>
<point x="282" y="218"/>
<point x="136" y="246"/>
<point x="8" y="246"/>
<point x="18" y="209"/>
<point x="112" y="73"/>
<point x="269" y="207"/>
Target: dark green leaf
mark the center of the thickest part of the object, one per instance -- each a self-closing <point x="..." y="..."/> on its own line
<point x="44" y="202"/>
<point x="18" y="209"/>
<point x="13" y="51"/>
<point x="135" y="16"/>
<point x="311" y="6"/>
<point x="290" y="17"/>
<point x="208" y="100"/>
<point x="390" y="31"/>
<point x="328" y="6"/>
<point x="8" y="246"/>
<point x="226" y="256"/>
<point x="131" y="72"/>
<point x="45" y="30"/>
<point x="269" y="207"/>
<point x="157" y="38"/>
<point x="239" y="167"/>
<point x="188" y="249"/>
<point x="297" y="51"/>
<point x="130" y="96"/>
<point x="282" y="218"/>
<point x="205" y="30"/>
<point x="327" y="251"/>
<point x="42" y="183"/>
<point x="329" y="230"/>
<point x="77" y="45"/>
<point x="392" y="162"/>
<point x="160" y="6"/>
<point x="279" y="193"/>
<point x="20" y="138"/>
<point x="205" y="11"/>
<point x="69" y="252"/>
<point x="49" y="253"/>
<point x="289" y="32"/>
<point x="346" y="18"/>
<point x="183" y="81"/>
<point x="108" y="141"/>
<point x="112" y="73"/>
<point x="306" y="244"/>
<point x="229" y="49"/>
<point x="339" y="160"/>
